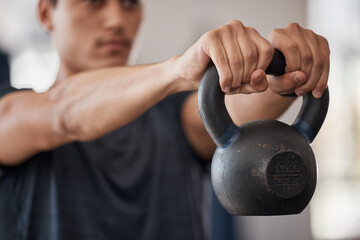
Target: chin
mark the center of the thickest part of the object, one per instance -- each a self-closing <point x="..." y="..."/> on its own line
<point x="111" y="63"/>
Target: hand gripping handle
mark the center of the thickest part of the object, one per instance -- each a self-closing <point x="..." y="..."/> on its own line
<point x="219" y="123"/>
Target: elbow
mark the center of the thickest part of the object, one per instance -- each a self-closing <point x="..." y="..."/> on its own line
<point x="68" y="123"/>
<point x="72" y="127"/>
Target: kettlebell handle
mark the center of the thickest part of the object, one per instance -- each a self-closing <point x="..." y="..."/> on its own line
<point x="219" y="124"/>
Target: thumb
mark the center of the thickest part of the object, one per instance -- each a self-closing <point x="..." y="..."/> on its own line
<point x="286" y="83"/>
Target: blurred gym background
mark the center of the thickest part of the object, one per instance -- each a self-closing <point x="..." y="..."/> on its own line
<point x="170" y="27"/>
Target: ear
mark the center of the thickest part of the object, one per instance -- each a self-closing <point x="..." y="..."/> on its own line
<point x="45" y="12"/>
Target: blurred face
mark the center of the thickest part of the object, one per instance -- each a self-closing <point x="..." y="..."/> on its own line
<point x="92" y="34"/>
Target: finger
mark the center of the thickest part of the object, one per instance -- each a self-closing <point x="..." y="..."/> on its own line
<point x="234" y="56"/>
<point x="317" y="63"/>
<point x="306" y="54"/>
<point x="280" y="40"/>
<point x="249" y="54"/>
<point x="215" y="50"/>
<point x="286" y="83"/>
<point x="264" y="49"/>
<point x="322" y="83"/>
<point x="258" y="80"/>
<point x="260" y="86"/>
<point x="258" y="83"/>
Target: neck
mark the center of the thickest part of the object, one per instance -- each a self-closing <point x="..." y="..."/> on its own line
<point x="64" y="73"/>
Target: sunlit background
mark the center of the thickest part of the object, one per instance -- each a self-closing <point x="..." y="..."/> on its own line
<point x="170" y="27"/>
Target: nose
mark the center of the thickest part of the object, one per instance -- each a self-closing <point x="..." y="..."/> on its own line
<point x="114" y="16"/>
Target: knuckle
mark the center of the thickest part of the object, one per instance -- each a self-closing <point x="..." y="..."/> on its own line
<point x="307" y="57"/>
<point x="210" y="34"/>
<point x="294" y="26"/>
<point x="236" y="61"/>
<point x="250" y="56"/>
<point x="205" y="37"/>
<point x="226" y="28"/>
<point x="275" y="32"/>
<point x="251" y="30"/>
<point x="324" y="42"/>
<point x="221" y="60"/>
<point x="236" y="23"/>
<point x="322" y="39"/>
<point x="291" y="47"/>
<point x="318" y="65"/>
<point x="267" y="50"/>
<point x="310" y="32"/>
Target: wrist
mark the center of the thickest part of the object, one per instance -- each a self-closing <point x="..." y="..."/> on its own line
<point x="179" y="83"/>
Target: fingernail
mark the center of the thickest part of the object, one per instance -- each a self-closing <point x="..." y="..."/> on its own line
<point x="226" y="89"/>
<point x="258" y="79"/>
<point x="318" y="94"/>
<point x="297" y="79"/>
<point x="300" y="92"/>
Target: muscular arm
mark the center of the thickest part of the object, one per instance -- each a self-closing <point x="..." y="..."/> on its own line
<point x="91" y="104"/>
<point x="83" y="107"/>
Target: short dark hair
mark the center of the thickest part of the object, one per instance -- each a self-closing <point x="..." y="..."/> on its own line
<point x="53" y="2"/>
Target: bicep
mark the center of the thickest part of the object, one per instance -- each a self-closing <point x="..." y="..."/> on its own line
<point x="195" y="130"/>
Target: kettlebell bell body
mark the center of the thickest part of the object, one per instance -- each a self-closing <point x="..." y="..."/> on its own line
<point x="263" y="167"/>
<point x="270" y="174"/>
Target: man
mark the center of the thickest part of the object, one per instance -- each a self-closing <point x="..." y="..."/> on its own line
<point x="114" y="152"/>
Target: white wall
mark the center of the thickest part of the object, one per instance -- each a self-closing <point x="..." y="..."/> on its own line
<point x="170" y="27"/>
<point x="335" y="206"/>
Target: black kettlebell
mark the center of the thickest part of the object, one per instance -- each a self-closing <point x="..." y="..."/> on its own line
<point x="262" y="167"/>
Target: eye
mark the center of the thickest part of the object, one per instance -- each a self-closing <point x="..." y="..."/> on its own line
<point x="130" y="3"/>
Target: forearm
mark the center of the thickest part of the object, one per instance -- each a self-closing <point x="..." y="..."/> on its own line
<point x="83" y="107"/>
<point x="94" y="103"/>
<point x="265" y="105"/>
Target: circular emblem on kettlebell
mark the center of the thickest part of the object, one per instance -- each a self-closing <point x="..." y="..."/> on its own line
<point x="286" y="174"/>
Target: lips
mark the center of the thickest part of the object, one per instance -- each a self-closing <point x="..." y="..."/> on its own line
<point x="114" y="44"/>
